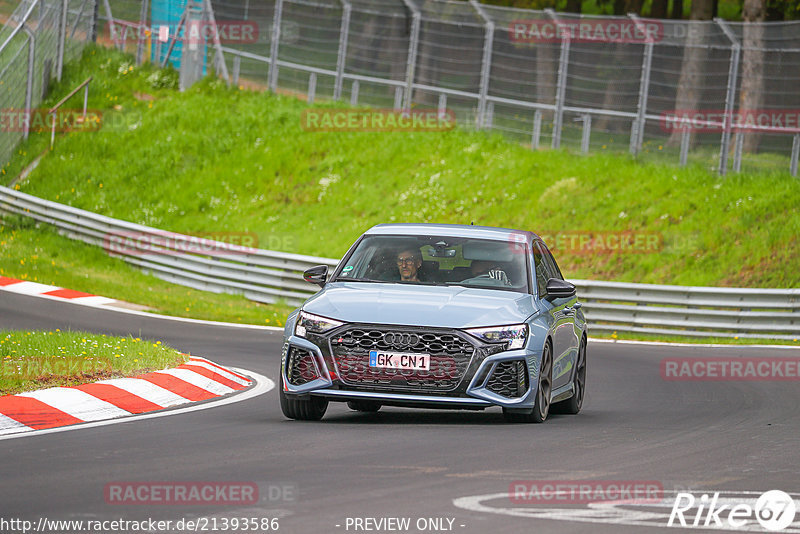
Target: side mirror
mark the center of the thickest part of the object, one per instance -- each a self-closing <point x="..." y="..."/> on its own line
<point x="558" y="289"/>
<point x="316" y="275"/>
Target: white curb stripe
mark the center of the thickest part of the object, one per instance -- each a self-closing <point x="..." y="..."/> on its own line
<point x="262" y="385"/>
<point x="8" y="425"/>
<point x="93" y="300"/>
<point x="77" y="403"/>
<point x="148" y="391"/>
<point x="230" y="376"/>
<point x="199" y="380"/>
<point x="30" y="288"/>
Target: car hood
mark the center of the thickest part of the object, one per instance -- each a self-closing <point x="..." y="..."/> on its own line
<point x="443" y="306"/>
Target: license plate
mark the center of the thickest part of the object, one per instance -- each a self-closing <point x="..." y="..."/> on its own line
<point x="399" y="360"/>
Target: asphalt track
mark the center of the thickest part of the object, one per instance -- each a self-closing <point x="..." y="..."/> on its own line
<point x="728" y="436"/>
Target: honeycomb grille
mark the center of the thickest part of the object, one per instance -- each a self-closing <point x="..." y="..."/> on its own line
<point x="450" y="356"/>
<point x="300" y="367"/>
<point x="509" y="379"/>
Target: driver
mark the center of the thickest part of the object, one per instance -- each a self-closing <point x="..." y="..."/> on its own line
<point x="409" y="260"/>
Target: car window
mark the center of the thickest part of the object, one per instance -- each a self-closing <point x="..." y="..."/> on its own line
<point x="438" y="260"/>
<point x="541" y="271"/>
<point x="550" y="263"/>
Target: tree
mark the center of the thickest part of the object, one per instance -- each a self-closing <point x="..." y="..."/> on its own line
<point x="752" y="93"/>
<point x="690" y="83"/>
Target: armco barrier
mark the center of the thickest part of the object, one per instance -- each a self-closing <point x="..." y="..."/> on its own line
<point x="267" y="276"/>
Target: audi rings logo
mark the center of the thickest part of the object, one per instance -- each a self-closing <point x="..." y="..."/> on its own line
<point x="400" y="339"/>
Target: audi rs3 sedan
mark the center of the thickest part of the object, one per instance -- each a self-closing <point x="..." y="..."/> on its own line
<point x="438" y="316"/>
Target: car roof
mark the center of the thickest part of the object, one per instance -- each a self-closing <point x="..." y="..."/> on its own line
<point x="452" y="230"/>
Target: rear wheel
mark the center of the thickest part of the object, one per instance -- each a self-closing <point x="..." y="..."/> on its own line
<point x="545" y="386"/>
<point x="364" y="406"/>
<point x="308" y="409"/>
<point x="573" y="404"/>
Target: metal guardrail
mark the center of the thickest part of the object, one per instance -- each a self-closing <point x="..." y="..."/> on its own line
<point x="268" y="276"/>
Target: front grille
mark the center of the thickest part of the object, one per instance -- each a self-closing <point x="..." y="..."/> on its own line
<point x="300" y="367"/>
<point x="509" y="379"/>
<point x="450" y="356"/>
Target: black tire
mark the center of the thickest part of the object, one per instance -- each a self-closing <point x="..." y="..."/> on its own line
<point x="308" y="409"/>
<point x="545" y="387"/>
<point x="573" y="404"/>
<point x="364" y="406"/>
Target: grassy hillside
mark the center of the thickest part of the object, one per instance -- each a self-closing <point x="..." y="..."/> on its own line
<point x="214" y="159"/>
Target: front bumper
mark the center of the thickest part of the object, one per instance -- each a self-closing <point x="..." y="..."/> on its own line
<point x="489" y="379"/>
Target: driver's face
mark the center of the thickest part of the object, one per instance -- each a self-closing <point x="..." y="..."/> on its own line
<point x="408" y="265"/>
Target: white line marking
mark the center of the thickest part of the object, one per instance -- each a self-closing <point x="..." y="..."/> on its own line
<point x="198" y="380"/>
<point x="230" y="376"/>
<point x="617" y="513"/>
<point x="262" y="385"/>
<point x="76" y="403"/>
<point x="147" y="390"/>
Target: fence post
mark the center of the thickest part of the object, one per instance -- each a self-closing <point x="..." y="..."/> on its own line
<point x="442" y="108"/>
<point x="486" y="62"/>
<point x="111" y="26"/>
<point x="733" y="72"/>
<point x="795" y="155"/>
<point x="312" y="88"/>
<point x="142" y="30"/>
<point x="29" y="81"/>
<point x="586" y="133"/>
<point x="341" y="58"/>
<point x="685" y="138"/>
<point x="62" y="38"/>
<point x="273" y="47"/>
<point x="413" y="46"/>
<point x="637" y="129"/>
<point x="237" y="65"/>
<point x="561" y="91"/>
<point x="738" y="146"/>
<point x="537" y="129"/>
<point x="398" y="98"/>
<point x="354" y="93"/>
<point x="95" y="20"/>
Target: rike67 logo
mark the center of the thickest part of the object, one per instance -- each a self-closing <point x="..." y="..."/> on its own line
<point x="774" y="510"/>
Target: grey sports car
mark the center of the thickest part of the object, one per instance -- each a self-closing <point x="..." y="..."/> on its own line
<point x="438" y="316"/>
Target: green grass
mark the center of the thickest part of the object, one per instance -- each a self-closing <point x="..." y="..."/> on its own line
<point x="41" y="255"/>
<point x="214" y="159"/>
<point x="32" y="360"/>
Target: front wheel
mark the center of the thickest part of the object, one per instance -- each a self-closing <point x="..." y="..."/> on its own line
<point x="309" y="409"/>
<point x="545" y="386"/>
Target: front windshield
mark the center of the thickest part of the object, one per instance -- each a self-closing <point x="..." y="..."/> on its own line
<point x="438" y="260"/>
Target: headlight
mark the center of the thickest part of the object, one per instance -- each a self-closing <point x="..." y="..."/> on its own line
<point x="513" y="335"/>
<point x="314" y="324"/>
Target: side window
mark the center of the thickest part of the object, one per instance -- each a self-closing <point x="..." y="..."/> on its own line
<point x="552" y="266"/>
<point x="540" y="269"/>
